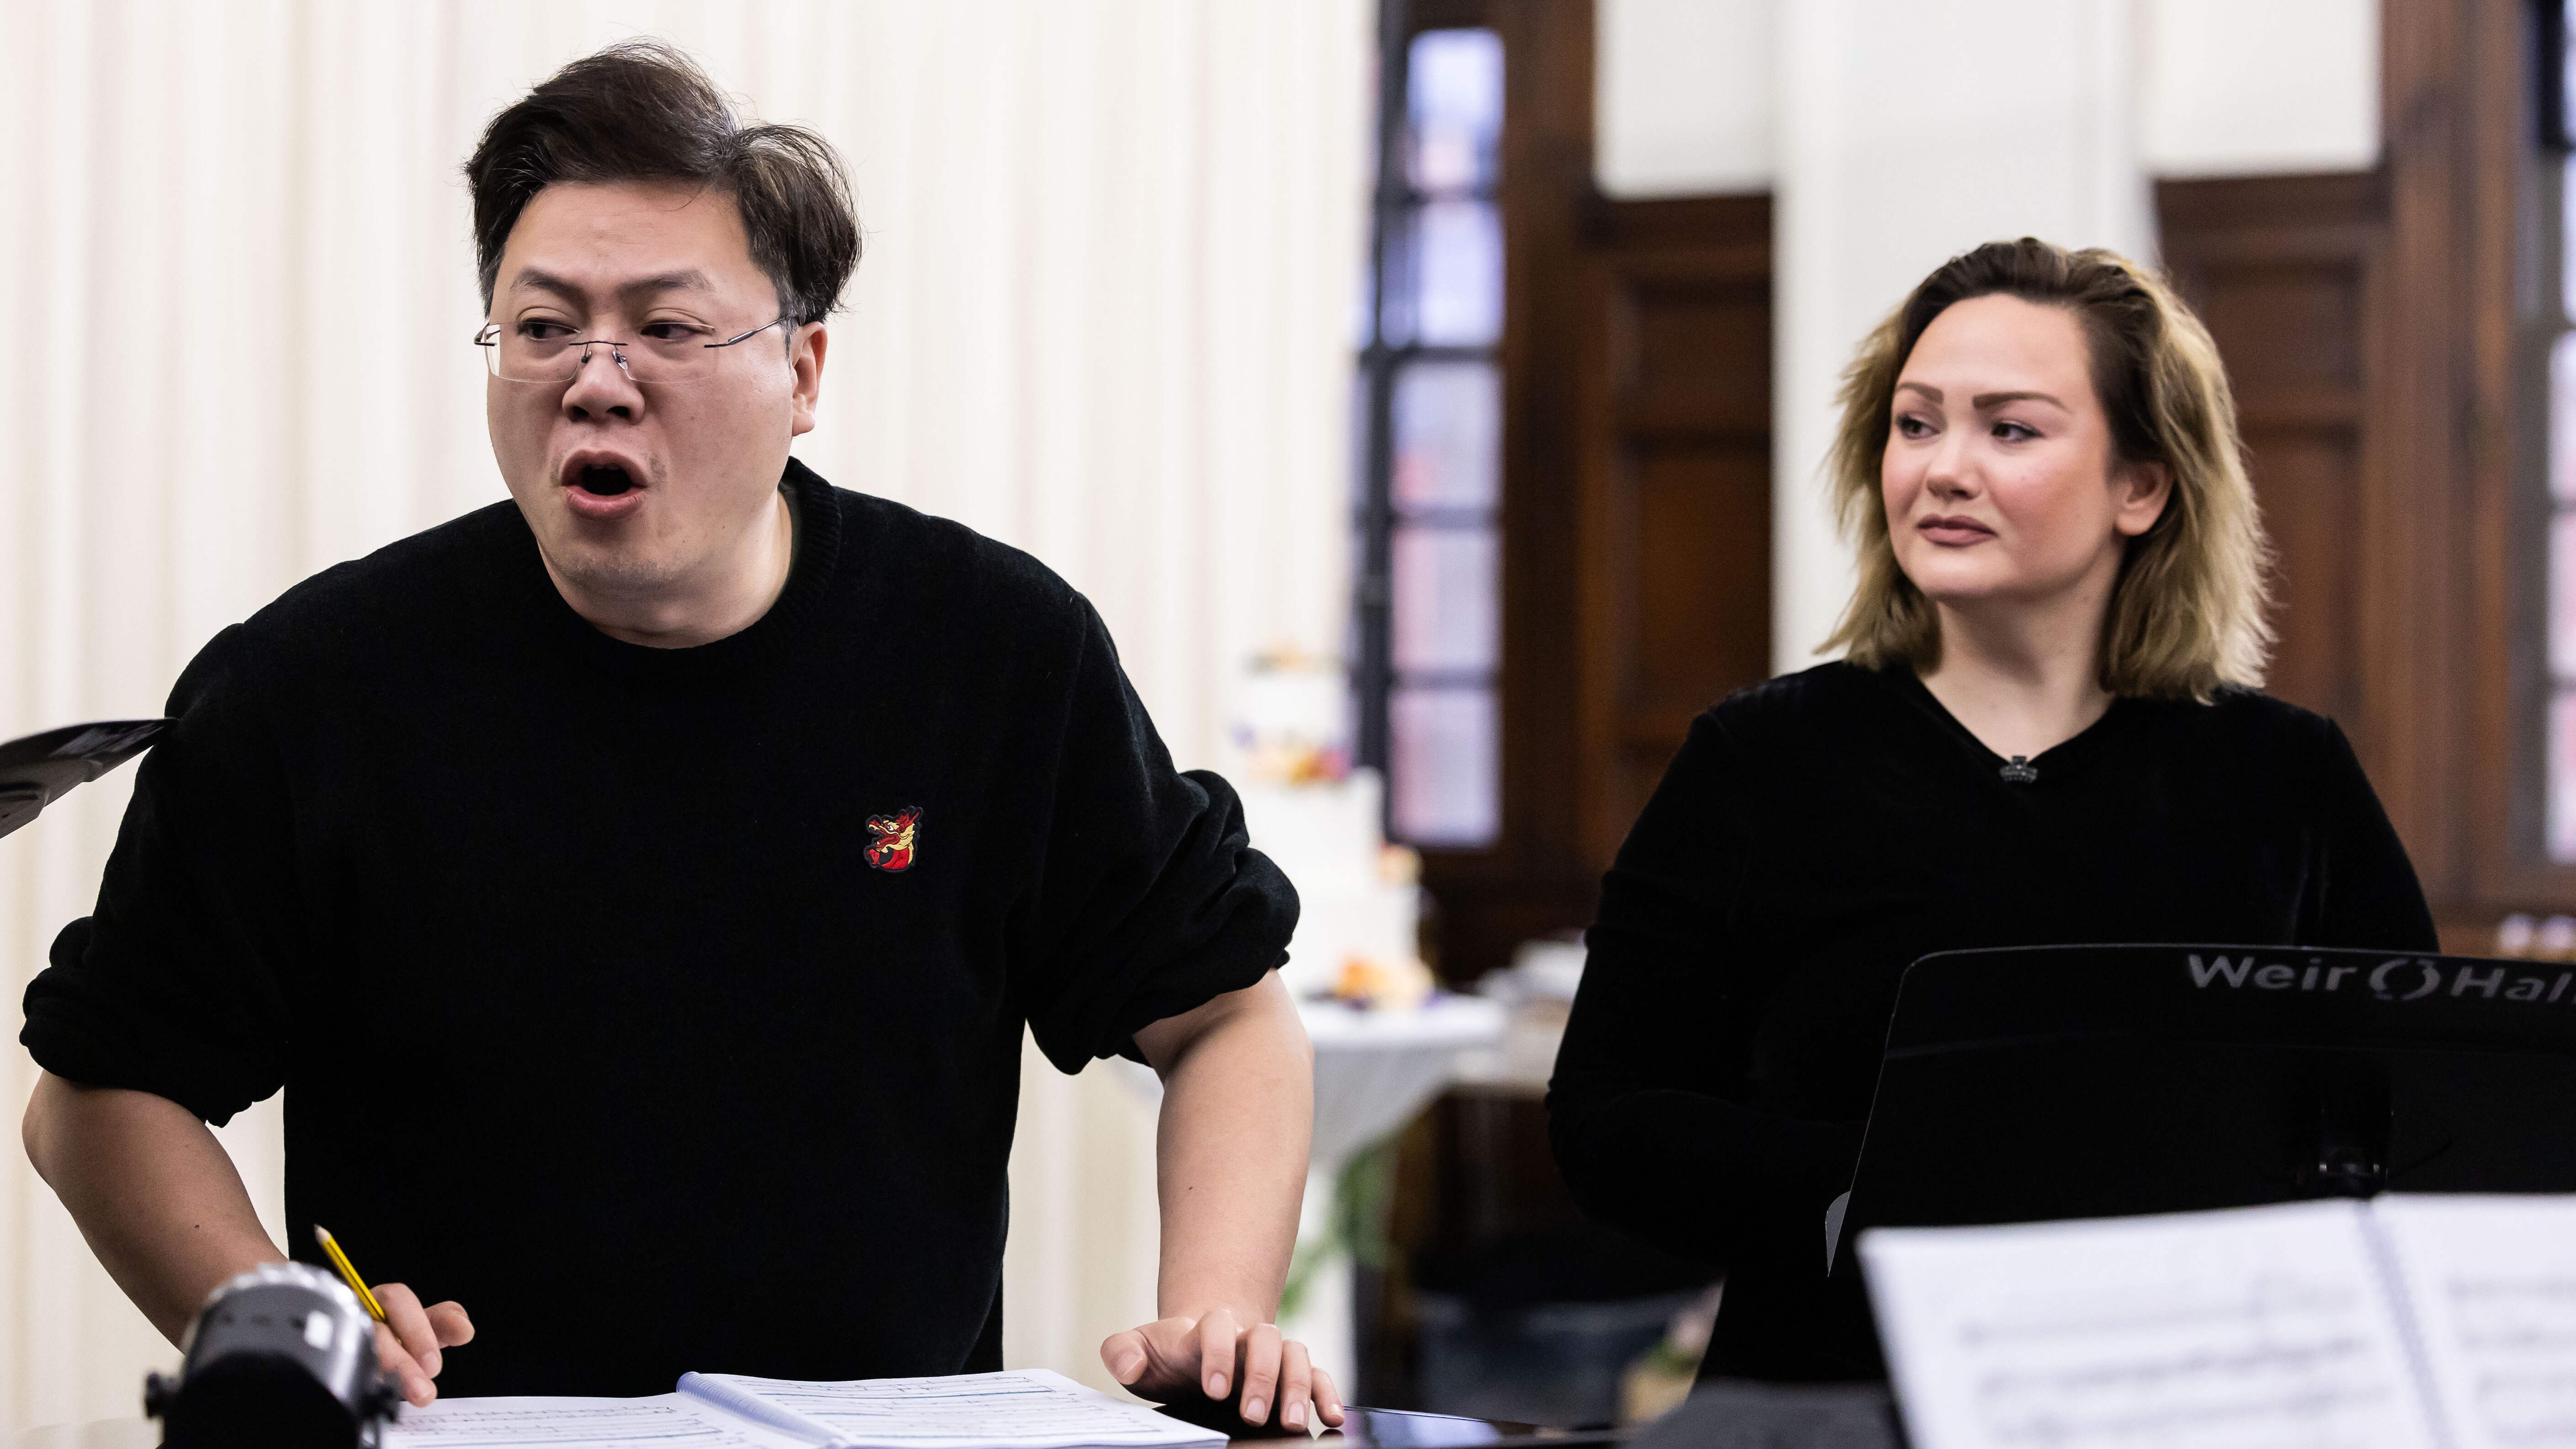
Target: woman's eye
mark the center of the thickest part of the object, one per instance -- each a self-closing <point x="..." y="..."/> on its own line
<point x="1910" y="427"/>
<point x="2015" y="432"/>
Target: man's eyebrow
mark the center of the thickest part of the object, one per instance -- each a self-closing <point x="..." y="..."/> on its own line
<point x="685" y="279"/>
<point x="545" y="281"/>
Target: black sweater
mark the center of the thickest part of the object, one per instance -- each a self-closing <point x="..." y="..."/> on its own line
<point x="1818" y="833"/>
<point x="592" y="1009"/>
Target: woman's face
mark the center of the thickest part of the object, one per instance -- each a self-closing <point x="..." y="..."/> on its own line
<point x="1999" y="478"/>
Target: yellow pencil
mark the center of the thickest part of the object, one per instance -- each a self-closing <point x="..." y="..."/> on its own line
<point x="340" y="1261"/>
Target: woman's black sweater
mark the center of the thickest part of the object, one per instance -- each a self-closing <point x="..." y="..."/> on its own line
<point x="1818" y="833"/>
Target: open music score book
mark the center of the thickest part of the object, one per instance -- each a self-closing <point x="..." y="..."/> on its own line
<point x="2405" y="1321"/>
<point x="1020" y="1409"/>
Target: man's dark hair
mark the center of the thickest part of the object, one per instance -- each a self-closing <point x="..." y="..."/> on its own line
<point x="641" y="110"/>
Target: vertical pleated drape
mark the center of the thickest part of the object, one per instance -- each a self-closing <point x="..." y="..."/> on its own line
<point x="1112" y="249"/>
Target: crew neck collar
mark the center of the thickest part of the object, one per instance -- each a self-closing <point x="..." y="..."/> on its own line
<point x="817" y="548"/>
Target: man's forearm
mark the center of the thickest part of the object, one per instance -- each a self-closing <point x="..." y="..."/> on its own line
<point x="1238" y="1109"/>
<point x="155" y="1194"/>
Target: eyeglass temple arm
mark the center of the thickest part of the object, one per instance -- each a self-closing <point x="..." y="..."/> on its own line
<point x="755" y="332"/>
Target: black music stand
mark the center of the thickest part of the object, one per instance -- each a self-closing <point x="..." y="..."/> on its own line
<point x="38" y="770"/>
<point x="2095" y="1081"/>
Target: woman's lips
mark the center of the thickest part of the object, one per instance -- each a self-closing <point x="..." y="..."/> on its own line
<point x="1954" y="532"/>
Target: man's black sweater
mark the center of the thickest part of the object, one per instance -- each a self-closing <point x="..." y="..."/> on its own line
<point x="1818" y="833"/>
<point x="606" y="998"/>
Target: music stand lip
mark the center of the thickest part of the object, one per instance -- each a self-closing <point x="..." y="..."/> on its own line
<point x="2330" y="996"/>
<point x="41" y="768"/>
<point x="2409" y="1012"/>
<point x="2034" y="1083"/>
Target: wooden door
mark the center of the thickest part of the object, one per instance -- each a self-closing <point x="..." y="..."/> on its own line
<point x="1673" y="552"/>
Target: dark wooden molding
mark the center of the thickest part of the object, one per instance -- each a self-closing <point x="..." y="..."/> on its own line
<point x="1530" y="882"/>
<point x="2454" y="765"/>
<point x="2391" y="373"/>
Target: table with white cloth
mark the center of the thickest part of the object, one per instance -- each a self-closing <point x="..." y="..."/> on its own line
<point x="1373" y="1071"/>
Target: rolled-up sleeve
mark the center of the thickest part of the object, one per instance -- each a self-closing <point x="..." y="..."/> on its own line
<point x="174" y="984"/>
<point x="1148" y="899"/>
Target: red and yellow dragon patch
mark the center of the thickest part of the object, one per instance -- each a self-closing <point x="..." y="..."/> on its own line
<point x="892" y="849"/>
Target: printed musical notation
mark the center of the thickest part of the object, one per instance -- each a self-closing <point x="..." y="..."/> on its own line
<point x="2492" y="1283"/>
<point x="668" y="1422"/>
<point x="2147" y="1331"/>
<point x="1026" y="1410"/>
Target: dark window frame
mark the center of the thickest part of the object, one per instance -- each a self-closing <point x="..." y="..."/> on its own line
<point x="1395" y="203"/>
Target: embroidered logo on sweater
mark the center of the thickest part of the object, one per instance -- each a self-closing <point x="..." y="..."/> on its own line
<point x="892" y="848"/>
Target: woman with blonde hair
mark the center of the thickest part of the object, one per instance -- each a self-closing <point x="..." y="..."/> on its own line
<point x="2046" y="727"/>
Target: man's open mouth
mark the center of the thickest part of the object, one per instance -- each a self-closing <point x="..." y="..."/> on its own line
<point x="605" y="479"/>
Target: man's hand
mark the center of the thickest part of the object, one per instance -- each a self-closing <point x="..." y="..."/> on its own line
<point x="1178" y="1359"/>
<point x="159" y="1201"/>
<point x="1230" y="1159"/>
<point x="408" y="1341"/>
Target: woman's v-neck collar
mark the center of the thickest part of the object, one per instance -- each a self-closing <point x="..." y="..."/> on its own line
<point x="2067" y="755"/>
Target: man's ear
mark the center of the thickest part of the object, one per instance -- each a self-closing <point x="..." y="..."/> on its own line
<point x="2141" y="491"/>
<point x="805" y="354"/>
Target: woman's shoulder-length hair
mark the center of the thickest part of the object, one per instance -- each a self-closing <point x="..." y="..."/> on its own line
<point x="2187" y="615"/>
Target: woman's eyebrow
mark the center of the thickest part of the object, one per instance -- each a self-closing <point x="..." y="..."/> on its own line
<point x="1985" y="400"/>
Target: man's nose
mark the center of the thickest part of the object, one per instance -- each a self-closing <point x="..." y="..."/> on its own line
<point x="600" y="386"/>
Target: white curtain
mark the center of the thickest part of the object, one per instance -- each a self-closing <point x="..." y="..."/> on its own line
<point x="1103" y="315"/>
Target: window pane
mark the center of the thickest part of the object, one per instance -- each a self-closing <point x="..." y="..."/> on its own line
<point x="1360" y="451"/>
<point x="2562" y="598"/>
<point x="1448" y="428"/>
<point x="2567" y="70"/>
<point x="1445" y="616"/>
<point x="2562" y="420"/>
<point x="1364" y="319"/>
<point x="1442" y="748"/>
<point x="2562" y="776"/>
<point x="1457" y="273"/>
<point x="2567" y="235"/>
<point x="1456" y="81"/>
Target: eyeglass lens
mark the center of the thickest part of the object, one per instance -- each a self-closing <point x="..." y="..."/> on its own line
<point x="551" y="354"/>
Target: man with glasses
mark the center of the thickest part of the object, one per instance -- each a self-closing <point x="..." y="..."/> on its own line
<point x="642" y="885"/>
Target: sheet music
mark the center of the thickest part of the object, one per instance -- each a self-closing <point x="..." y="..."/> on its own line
<point x="1022" y="1409"/>
<point x="2257" y="1327"/>
<point x="2492" y="1282"/>
<point x="669" y="1421"/>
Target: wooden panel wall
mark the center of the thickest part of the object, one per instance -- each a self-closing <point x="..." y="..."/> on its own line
<point x="2286" y="271"/>
<point x="1673" y="555"/>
